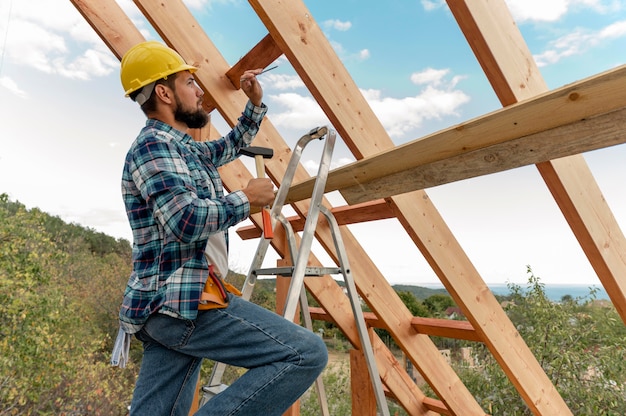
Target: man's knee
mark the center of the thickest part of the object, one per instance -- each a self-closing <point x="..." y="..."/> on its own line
<point x="318" y="352"/>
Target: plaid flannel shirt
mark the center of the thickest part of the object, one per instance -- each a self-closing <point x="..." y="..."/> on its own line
<point x="174" y="201"/>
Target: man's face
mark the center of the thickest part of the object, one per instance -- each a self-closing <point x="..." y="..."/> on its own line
<point x="188" y="96"/>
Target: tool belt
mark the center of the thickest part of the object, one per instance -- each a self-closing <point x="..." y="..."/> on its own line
<point x="215" y="292"/>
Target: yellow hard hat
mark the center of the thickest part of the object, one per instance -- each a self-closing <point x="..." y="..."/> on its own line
<point x="147" y="62"/>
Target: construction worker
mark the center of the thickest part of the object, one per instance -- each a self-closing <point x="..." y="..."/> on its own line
<point x="176" y="302"/>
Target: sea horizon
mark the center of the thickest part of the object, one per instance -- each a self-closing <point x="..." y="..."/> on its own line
<point x="553" y="291"/>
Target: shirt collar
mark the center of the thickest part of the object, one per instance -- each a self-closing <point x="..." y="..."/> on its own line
<point x="179" y="135"/>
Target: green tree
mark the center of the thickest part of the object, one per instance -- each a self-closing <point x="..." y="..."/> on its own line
<point x="579" y="345"/>
<point x="57" y="318"/>
<point x="416" y="307"/>
<point x="437" y="304"/>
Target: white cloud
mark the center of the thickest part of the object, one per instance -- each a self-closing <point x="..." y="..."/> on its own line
<point x="92" y="63"/>
<point x="337" y="25"/>
<point x="429" y="76"/>
<point x="430" y="5"/>
<point x="538" y="10"/>
<point x="299" y="111"/>
<point x="553" y="10"/>
<point x="364" y="54"/>
<point x="313" y="166"/>
<point x="10" y="85"/>
<point x="282" y="82"/>
<point x="207" y="4"/>
<point x="399" y="116"/>
<point x="578" y="42"/>
<point x="52" y="37"/>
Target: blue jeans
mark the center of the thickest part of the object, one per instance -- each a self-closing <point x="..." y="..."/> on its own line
<point x="283" y="360"/>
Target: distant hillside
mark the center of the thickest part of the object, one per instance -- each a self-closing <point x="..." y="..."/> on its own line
<point x="419" y="292"/>
<point x="60" y="290"/>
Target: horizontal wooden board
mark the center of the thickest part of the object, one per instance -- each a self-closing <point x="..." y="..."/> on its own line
<point x="577" y="118"/>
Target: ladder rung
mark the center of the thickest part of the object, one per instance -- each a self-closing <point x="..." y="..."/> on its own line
<point x="288" y="271"/>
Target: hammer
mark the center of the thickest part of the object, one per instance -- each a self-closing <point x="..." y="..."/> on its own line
<point x="260" y="153"/>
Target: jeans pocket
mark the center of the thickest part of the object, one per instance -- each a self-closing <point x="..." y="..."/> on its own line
<point x="168" y="331"/>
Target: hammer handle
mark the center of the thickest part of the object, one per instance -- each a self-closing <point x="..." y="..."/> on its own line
<point x="268" y="232"/>
<point x="260" y="166"/>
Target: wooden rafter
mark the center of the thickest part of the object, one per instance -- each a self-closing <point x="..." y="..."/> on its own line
<point x="569" y="179"/>
<point x="429" y="326"/>
<point x="264" y="53"/>
<point x="308" y="51"/>
<point x="349" y="214"/>
<point x="592" y="115"/>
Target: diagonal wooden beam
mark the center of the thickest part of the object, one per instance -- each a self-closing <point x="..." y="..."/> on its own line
<point x="305" y="47"/>
<point x="264" y="53"/>
<point x="591" y="115"/>
<point x="349" y="214"/>
<point x="294" y="29"/>
<point x="430" y="326"/>
<point x="569" y="179"/>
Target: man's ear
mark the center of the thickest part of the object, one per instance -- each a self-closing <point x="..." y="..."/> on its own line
<point x="163" y="93"/>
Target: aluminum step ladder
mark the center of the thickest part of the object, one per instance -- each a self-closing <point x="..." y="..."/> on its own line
<point x="299" y="259"/>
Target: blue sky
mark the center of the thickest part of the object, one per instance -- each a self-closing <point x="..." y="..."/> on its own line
<point x="66" y="125"/>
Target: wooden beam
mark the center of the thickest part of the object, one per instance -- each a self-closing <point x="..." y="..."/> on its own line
<point x="446" y="328"/>
<point x="428" y="326"/>
<point x="517" y="78"/>
<point x="349" y="214"/>
<point x="487" y="28"/>
<point x="589" y="134"/>
<point x="362" y="392"/>
<point x="302" y="41"/>
<point x="591" y="115"/>
<point x="399" y="384"/>
<point x="437" y="406"/>
<point x="110" y="22"/>
<point x="264" y="53"/>
<point x="569" y="179"/>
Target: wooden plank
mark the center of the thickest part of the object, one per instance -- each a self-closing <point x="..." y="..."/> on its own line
<point x="307" y="49"/>
<point x="264" y="53"/>
<point x="110" y="22"/>
<point x="436" y="406"/>
<point x="446" y="328"/>
<point x="584" y="116"/>
<point x="428" y="326"/>
<point x="589" y="134"/>
<point x="399" y="384"/>
<point x="487" y="28"/>
<point x="363" y="399"/>
<point x="349" y="214"/>
<point x="492" y="23"/>
<point x="570" y="181"/>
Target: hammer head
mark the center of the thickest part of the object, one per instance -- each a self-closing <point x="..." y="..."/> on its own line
<point x="254" y="151"/>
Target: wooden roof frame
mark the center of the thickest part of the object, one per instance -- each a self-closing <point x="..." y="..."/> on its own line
<point x="588" y="121"/>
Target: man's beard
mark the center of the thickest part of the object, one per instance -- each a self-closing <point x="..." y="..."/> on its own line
<point x="193" y="119"/>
